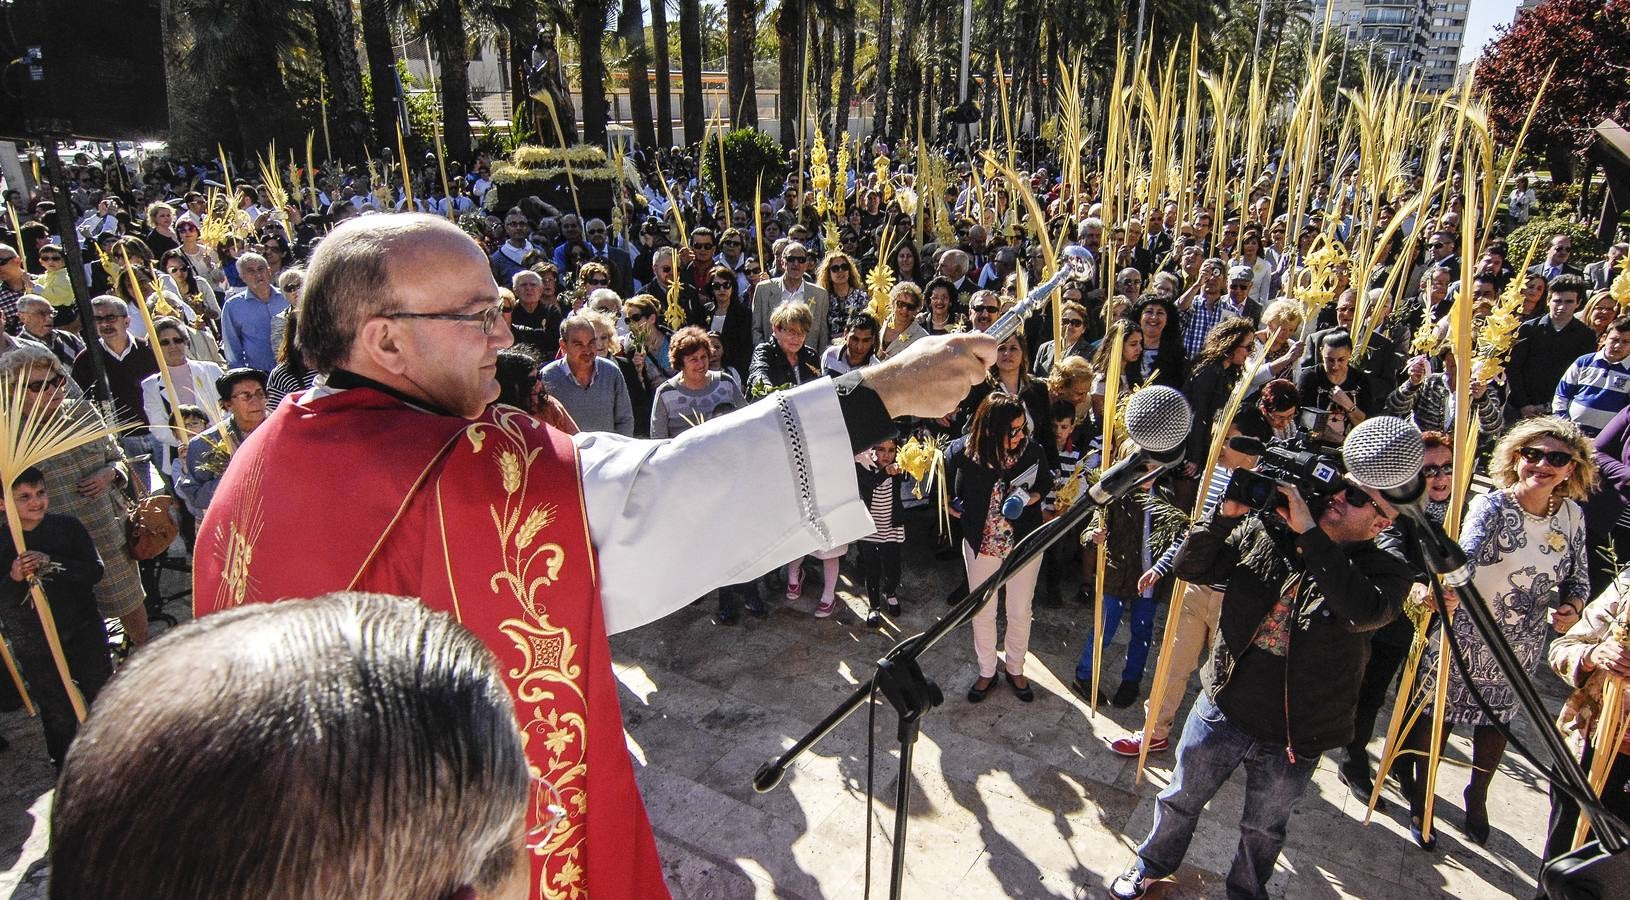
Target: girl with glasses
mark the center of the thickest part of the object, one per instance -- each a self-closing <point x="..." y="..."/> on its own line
<point x="1526" y="546"/>
<point x="998" y="474"/>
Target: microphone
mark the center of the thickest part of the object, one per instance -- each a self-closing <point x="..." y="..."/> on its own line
<point x="1385" y="453"/>
<point x="1158" y="419"/>
<point x="1004" y="327"/>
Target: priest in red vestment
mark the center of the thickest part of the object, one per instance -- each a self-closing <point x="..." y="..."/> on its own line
<point x="395" y="475"/>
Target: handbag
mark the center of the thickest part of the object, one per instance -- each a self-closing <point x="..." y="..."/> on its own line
<point x="149" y="527"/>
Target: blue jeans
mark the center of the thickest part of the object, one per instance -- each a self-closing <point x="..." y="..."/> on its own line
<point x="1208" y="753"/>
<point x="1137" y="650"/>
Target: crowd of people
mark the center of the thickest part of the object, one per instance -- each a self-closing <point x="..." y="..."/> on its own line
<point x="675" y="309"/>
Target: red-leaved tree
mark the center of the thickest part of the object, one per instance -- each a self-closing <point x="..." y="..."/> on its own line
<point x="1587" y="40"/>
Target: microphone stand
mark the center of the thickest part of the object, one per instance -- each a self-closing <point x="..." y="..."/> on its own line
<point x="901" y="678"/>
<point x="1592" y="863"/>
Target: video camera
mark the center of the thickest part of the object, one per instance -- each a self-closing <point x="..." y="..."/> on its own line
<point x="1316" y="476"/>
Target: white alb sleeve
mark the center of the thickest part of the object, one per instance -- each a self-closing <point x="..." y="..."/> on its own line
<point x="722" y="503"/>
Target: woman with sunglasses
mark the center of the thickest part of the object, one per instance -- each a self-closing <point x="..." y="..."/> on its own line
<point x="1076" y="342"/>
<point x="1217" y="368"/>
<point x="998" y="475"/>
<point x="275" y="247"/>
<point x="84" y="482"/>
<point x="1525" y="543"/>
<point x="901" y="328"/>
<point x="731" y="318"/>
<point x="646" y="350"/>
<point x="845" y="295"/>
<point x="194" y="291"/>
<point x="205" y="261"/>
<point x="194" y="382"/>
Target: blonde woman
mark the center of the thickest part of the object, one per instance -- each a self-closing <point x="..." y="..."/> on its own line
<point x="845" y="295"/>
<point x="1525" y="543"/>
<point x="901" y="327"/>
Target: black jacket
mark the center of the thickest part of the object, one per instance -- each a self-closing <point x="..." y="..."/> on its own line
<point x="1311" y="692"/>
<point x="770" y="368"/>
<point x="737" y="335"/>
<point x="972" y="484"/>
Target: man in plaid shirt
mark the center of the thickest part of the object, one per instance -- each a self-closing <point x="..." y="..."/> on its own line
<point x="1204" y="304"/>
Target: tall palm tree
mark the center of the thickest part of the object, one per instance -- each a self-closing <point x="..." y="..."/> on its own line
<point x="881" y="81"/>
<point x="376" y="42"/>
<point x="690" y="66"/>
<point x="443" y="23"/>
<point x="846" y="70"/>
<point x="664" y="67"/>
<point x="791" y="28"/>
<point x="591" y="23"/>
<point x="631" y="28"/>
<point x="741" y="28"/>
<point x="336" y="29"/>
<point x="249" y="48"/>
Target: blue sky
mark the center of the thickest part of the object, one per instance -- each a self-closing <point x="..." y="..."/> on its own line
<point x="1481" y="17"/>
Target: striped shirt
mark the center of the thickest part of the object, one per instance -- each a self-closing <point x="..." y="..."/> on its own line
<point x="1592" y="392"/>
<point x="1214" y="494"/>
<point x="881" y="506"/>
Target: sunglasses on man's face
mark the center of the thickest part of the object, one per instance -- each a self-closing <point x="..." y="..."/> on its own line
<point x="1074" y="323"/>
<point x="797" y="260"/>
<point x="988" y="310"/>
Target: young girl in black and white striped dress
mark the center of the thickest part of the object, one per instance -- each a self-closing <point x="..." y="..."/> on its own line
<point x="880" y="551"/>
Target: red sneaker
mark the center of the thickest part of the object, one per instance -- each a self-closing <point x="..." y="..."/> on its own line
<point x="1133" y="743"/>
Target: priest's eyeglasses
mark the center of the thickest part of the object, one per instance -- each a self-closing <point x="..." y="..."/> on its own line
<point x="488" y="318"/>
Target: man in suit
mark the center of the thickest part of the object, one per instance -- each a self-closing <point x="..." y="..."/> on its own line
<point x="1555" y="263"/>
<point x="791" y="287"/>
<point x="1600" y="274"/>
<point x="615" y="258"/>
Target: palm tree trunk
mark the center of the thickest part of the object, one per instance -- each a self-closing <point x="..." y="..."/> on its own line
<point x="591" y="23"/>
<point x="448" y="41"/>
<point x="741" y="26"/>
<point x="664" y="70"/>
<point x="337" y="41"/>
<point x="908" y="74"/>
<point x="518" y="36"/>
<point x="881" y="82"/>
<point x="376" y="40"/>
<point x="829" y="59"/>
<point x="790" y="28"/>
<point x="846" y="78"/>
<point x="631" y="27"/>
<point x="690" y="64"/>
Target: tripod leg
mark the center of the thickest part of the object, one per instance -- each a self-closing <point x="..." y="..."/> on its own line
<point x="902" y="799"/>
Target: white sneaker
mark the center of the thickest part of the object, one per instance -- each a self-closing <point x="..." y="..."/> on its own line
<point x="1131" y="884"/>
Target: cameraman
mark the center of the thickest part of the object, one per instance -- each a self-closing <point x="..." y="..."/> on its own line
<point x="1303" y="593"/>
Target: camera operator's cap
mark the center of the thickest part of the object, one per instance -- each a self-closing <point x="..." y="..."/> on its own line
<point x="228" y="382"/>
<point x="651" y="226"/>
<point x="1241" y="273"/>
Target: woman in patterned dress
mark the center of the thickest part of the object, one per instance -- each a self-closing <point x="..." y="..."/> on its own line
<point x="85" y="483"/>
<point x="1525" y="546"/>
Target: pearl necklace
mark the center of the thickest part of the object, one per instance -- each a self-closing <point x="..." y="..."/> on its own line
<point x="1554" y="536"/>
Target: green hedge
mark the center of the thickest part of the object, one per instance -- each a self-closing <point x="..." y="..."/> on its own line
<point x="1586" y="248"/>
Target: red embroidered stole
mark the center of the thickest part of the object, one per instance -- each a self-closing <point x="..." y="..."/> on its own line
<point x="485" y="520"/>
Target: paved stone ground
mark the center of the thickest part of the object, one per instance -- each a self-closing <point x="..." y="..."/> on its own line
<point x="1008" y="799"/>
